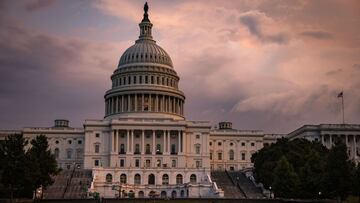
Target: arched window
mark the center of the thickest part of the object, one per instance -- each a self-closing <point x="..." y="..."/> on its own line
<point x="163" y="194"/>
<point x="158" y="149"/>
<point x="151" y="179"/>
<point x="173" y="194"/>
<point x="231" y="154"/>
<point x="78" y="153"/>
<point x="137" y="179"/>
<point x="193" y="178"/>
<point x="141" y="194"/>
<point x="179" y="179"/>
<point x="108" y="178"/>
<point x="56" y="152"/>
<point x="137" y="149"/>
<point x="123" y="178"/>
<point x="173" y="149"/>
<point x="165" y="179"/>
<point x="182" y="193"/>
<point x="122" y="149"/>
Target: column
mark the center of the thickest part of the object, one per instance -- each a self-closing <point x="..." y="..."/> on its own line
<point x="182" y="141"/>
<point x="136" y="102"/>
<point x="132" y="141"/>
<point x="127" y="142"/>
<point x="142" y="102"/>
<point x="322" y="140"/>
<point x="112" y="141"/>
<point x="128" y="106"/>
<point x="164" y="142"/>
<point x="163" y="104"/>
<point x="116" y="103"/>
<point x="153" y="141"/>
<point x="179" y="142"/>
<point x="174" y="105"/>
<point x="346" y="141"/>
<point x="117" y="141"/>
<point x="122" y="103"/>
<point x="168" y="141"/>
<point x="150" y="103"/>
<point x="156" y="103"/>
<point x="331" y="144"/>
<point x="143" y="142"/>
<point x="354" y="145"/>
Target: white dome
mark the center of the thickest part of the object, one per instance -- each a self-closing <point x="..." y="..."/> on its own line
<point x="145" y="51"/>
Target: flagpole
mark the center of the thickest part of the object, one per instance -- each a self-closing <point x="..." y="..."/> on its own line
<point x="343" y="114"/>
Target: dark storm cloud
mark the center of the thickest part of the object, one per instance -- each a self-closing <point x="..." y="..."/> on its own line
<point x="317" y="34"/>
<point x="38" y="4"/>
<point x="253" y="22"/>
<point x="37" y="77"/>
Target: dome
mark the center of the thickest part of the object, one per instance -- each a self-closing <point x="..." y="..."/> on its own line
<point x="145" y="51"/>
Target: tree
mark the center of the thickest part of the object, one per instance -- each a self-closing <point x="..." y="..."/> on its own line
<point x="44" y="163"/>
<point x="286" y="181"/>
<point x="12" y="159"/>
<point x="337" y="178"/>
<point x="356" y="188"/>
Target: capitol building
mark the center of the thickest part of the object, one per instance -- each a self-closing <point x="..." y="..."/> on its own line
<point x="145" y="145"/>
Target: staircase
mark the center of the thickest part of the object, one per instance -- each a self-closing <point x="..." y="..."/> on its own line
<point x="246" y="185"/>
<point x="69" y="184"/>
<point x="225" y="183"/>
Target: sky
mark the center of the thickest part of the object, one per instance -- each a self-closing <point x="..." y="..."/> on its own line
<point x="262" y="65"/>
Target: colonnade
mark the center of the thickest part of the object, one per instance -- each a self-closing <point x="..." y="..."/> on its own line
<point x="129" y="139"/>
<point x="351" y="142"/>
<point x="144" y="103"/>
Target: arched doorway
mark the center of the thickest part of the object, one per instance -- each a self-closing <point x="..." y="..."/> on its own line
<point x="173" y="194"/>
<point x="163" y="194"/>
<point x="141" y="194"/>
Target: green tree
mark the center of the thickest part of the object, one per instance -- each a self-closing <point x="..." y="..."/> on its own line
<point x="337" y="178"/>
<point x="286" y="181"/>
<point x="12" y="159"/>
<point x="356" y="188"/>
<point x="44" y="163"/>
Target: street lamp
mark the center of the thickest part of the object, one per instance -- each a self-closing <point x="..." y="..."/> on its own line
<point x="270" y="192"/>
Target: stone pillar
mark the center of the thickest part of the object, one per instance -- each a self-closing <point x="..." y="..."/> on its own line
<point x="112" y="141"/>
<point x="132" y="141"/>
<point x="136" y="102"/>
<point x="330" y="139"/>
<point x="122" y="103"/>
<point x="153" y="142"/>
<point x="116" y="104"/>
<point x="117" y="141"/>
<point x="156" y="103"/>
<point x="163" y="104"/>
<point x="354" y="146"/>
<point x="128" y="103"/>
<point x="127" y="142"/>
<point x="182" y="141"/>
<point x="143" y="142"/>
<point x="142" y="102"/>
<point x="179" y="142"/>
<point x="150" y="103"/>
<point x="164" y="142"/>
<point x="168" y="141"/>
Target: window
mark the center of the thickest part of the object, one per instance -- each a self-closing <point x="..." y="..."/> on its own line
<point x="134" y="80"/>
<point x="122" y="162"/>
<point x="146" y="79"/>
<point x="97" y="135"/>
<point x="147" y="163"/>
<point x="179" y="179"/>
<point x="165" y="179"/>
<point x="219" y="156"/>
<point x="69" y="142"/>
<point x="79" y="141"/>
<point x="158" y="149"/>
<point x="122" y="149"/>
<point x="97" y="148"/>
<point x="197" y="136"/>
<point x="78" y="153"/>
<point x="219" y="143"/>
<point x="147" y="150"/>
<point x="158" y="163"/>
<point x="211" y="155"/>
<point x="56" y="152"/>
<point x="137" y="162"/>
<point x="210" y="143"/>
<point x="108" y="178"/>
<point x="69" y="153"/>
<point x="137" y="148"/>
<point x="173" y="149"/>
<point x="231" y="154"/>
<point x="231" y="144"/>
<point x="151" y="179"/>
<point x="193" y="178"/>
<point x="96" y="163"/>
<point x="252" y="144"/>
<point x="123" y="179"/>
<point x="243" y="144"/>
<point x="173" y="163"/>
<point x="197" y="148"/>
<point x="57" y="142"/>
<point x="242" y="156"/>
<point x="198" y="164"/>
<point x="137" y="179"/>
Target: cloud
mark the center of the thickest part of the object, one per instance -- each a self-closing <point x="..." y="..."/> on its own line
<point x="34" y="5"/>
<point x="255" y="20"/>
<point x="317" y="34"/>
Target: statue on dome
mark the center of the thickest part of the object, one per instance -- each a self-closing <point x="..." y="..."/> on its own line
<point x="146" y="7"/>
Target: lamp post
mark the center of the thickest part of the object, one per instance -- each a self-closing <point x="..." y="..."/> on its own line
<point x="270" y="193"/>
